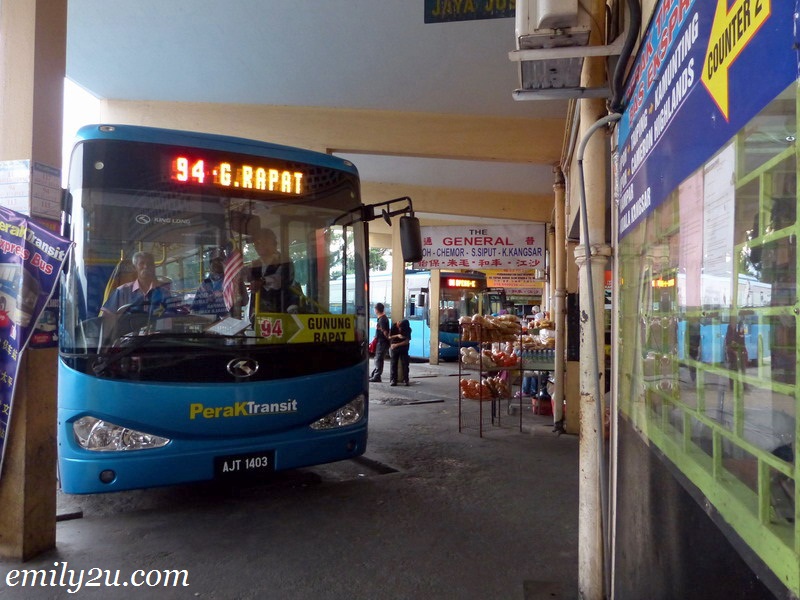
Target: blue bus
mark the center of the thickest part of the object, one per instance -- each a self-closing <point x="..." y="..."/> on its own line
<point x="461" y="294"/>
<point x="156" y="388"/>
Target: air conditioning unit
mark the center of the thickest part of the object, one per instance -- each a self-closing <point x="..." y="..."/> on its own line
<point x="547" y="25"/>
<point x="535" y="16"/>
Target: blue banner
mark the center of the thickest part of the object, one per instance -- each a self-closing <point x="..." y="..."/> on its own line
<point x="704" y="69"/>
<point x="31" y="259"/>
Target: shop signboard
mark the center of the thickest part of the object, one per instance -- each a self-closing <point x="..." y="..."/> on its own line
<point x="483" y="247"/>
<point x="698" y="78"/>
<point x="523" y="282"/>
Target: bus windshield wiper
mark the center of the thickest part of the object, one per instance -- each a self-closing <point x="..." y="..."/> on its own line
<point x="108" y="358"/>
<point x="133" y="343"/>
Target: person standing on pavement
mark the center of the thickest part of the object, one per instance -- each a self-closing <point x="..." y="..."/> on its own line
<point x="382" y="346"/>
<point x="400" y="339"/>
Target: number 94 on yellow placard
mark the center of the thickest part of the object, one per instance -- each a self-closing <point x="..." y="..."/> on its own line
<point x="278" y="328"/>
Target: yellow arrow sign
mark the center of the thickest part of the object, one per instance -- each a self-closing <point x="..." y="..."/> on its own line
<point x="282" y="328"/>
<point x="731" y="31"/>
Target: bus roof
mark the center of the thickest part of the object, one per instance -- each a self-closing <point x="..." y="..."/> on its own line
<point x="212" y="141"/>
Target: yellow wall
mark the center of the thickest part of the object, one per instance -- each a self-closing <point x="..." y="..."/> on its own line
<point x="346" y="130"/>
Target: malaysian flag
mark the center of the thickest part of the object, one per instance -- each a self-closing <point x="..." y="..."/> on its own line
<point x="232" y="280"/>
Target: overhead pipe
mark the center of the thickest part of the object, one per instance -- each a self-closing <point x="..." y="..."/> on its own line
<point x="596" y="363"/>
<point x="616" y="104"/>
<point x="615" y="107"/>
<point x="558" y="274"/>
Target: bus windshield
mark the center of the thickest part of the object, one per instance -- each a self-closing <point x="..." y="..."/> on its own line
<point x="185" y="257"/>
<point x="460" y="297"/>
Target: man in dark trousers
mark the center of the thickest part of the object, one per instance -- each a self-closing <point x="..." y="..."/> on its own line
<point x="382" y="347"/>
<point x="398" y="351"/>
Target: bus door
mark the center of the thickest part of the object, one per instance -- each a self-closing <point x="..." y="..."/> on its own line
<point x="492" y="301"/>
<point x="459" y="297"/>
<point x="418" y="315"/>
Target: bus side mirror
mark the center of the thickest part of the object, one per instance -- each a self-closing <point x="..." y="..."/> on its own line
<point x="66" y="212"/>
<point x="421" y="300"/>
<point x="410" y="239"/>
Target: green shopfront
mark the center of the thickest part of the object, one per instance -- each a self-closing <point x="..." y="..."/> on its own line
<point x="706" y="281"/>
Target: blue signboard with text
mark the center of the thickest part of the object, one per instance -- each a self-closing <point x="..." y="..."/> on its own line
<point x="704" y="69"/>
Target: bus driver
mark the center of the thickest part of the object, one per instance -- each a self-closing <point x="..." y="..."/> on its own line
<point x="144" y="294"/>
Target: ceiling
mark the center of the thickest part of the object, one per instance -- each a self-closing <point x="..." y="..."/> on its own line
<point x="358" y="54"/>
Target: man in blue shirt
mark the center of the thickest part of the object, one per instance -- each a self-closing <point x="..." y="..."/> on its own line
<point x="145" y="294"/>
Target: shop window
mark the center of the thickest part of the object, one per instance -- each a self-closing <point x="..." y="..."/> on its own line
<point x="708" y="328"/>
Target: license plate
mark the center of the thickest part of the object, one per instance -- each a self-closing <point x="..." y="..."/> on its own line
<point x="244" y="466"/>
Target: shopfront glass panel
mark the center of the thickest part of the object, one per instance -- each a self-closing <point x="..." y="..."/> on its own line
<point x="708" y="327"/>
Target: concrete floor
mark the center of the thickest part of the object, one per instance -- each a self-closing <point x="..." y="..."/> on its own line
<point x="429" y="513"/>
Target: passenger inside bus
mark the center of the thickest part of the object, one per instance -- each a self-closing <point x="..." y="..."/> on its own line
<point x="209" y="298"/>
<point x="270" y="277"/>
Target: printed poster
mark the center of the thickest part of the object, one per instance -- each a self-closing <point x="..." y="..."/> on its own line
<point x="690" y="201"/>
<point x="31" y="260"/>
<point x="719" y="196"/>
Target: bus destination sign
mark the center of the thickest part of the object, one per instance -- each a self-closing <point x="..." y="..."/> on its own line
<point x="230" y="174"/>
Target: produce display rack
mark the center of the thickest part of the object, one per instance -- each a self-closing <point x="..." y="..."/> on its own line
<point x="485" y="336"/>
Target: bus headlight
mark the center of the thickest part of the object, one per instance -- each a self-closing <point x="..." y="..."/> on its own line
<point x="101" y="436"/>
<point x="350" y="413"/>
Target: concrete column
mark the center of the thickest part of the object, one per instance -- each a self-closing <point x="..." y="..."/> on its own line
<point x="433" y="313"/>
<point x="590" y="511"/>
<point x="591" y="280"/>
<point x="547" y="297"/>
<point x="591" y="519"/>
<point x="558" y="277"/>
<point x="32" y="60"/>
